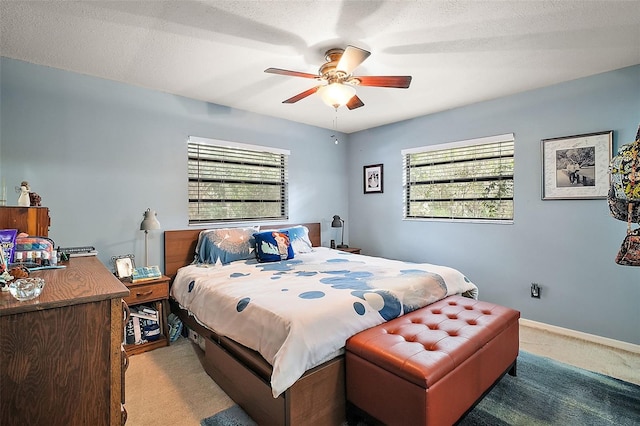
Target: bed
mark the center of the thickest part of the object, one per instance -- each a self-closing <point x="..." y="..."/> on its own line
<point x="275" y="331"/>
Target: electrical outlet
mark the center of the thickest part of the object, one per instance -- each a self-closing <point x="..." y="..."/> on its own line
<point x="535" y="290"/>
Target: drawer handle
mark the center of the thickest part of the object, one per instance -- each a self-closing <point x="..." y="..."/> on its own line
<point x="126" y="312"/>
<point x="146" y="293"/>
<point x="124" y="359"/>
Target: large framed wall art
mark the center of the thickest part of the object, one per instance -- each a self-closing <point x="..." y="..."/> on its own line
<point x="576" y="167"/>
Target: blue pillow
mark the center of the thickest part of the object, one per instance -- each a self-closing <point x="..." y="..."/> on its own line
<point x="273" y="246"/>
<point x="299" y="236"/>
<point x="226" y="245"/>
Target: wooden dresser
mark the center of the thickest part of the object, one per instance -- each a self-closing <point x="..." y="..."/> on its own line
<point x="61" y="355"/>
<point x="35" y="221"/>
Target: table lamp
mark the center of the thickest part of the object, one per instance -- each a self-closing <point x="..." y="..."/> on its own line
<point x="150" y="222"/>
<point x="339" y="223"/>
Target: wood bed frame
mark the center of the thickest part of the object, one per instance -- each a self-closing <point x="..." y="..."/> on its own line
<point x="317" y="398"/>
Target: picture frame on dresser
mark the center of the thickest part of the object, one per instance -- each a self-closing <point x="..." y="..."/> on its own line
<point x="124" y="266"/>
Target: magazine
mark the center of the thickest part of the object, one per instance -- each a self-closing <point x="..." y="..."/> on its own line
<point x="8" y="243"/>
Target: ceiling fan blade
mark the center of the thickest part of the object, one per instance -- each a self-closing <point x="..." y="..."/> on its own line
<point x="290" y="73"/>
<point x="397" y="81"/>
<point x="354" y="102"/>
<point x="351" y="58"/>
<point x="302" y="95"/>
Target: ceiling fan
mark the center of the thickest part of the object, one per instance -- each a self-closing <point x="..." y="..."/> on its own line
<point x="336" y="73"/>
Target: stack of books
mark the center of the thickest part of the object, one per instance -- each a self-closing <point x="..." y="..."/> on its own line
<point x="145" y="273"/>
<point x="144" y="325"/>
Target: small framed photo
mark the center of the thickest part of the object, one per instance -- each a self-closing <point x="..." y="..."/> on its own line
<point x="373" y="179"/>
<point x="576" y="167"/>
<point x="124" y="265"/>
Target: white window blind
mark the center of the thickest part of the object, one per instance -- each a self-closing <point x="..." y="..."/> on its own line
<point x="236" y="182"/>
<point x="466" y="180"/>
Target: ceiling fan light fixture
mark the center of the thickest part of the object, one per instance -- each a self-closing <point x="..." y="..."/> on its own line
<point x="336" y="94"/>
<point x="337" y="82"/>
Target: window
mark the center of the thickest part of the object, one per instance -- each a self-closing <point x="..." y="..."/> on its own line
<point x="466" y="180"/>
<point x="229" y="181"/>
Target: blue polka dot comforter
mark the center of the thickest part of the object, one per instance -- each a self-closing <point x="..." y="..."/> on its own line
<point x="298" y="313"/>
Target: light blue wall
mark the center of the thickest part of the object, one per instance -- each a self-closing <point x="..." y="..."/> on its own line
<point x="100" y="153"/>
<point x="98" y="149"/>
<point x="568" y="247"/>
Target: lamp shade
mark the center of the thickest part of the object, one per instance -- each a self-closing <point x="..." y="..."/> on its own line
<point x="150" y="221"/>
<point x="336" y="94"/>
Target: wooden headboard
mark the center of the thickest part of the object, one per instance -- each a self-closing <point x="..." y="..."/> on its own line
<point x="180" y="245"/>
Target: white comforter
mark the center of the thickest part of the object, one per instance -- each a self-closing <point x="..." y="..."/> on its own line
<point x="299" y="313"/>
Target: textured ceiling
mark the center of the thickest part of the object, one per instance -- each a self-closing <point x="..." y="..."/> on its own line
<point x="458" y="52"/>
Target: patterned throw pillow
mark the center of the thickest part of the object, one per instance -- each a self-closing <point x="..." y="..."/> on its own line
<point x="299" y="237"/>
<point x="273" y="246"/>
<point x="226" y="245"/>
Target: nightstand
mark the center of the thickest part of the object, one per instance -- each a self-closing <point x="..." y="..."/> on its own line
<point x="354" y="250"/>
<point x="154" y="293"/>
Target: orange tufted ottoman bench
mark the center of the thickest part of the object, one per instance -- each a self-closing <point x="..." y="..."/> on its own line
<point x="431" y="366"/>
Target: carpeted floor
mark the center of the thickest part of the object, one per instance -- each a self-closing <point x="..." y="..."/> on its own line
<point x="168" y="386"/>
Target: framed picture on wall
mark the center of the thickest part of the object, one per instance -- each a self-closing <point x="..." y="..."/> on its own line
<point x="373" y="179"/>
<point x="576" y="167"/>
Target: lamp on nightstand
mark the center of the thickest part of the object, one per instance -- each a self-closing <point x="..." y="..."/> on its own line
<point x="149" y="223"/>
<point x="339" y="223"/>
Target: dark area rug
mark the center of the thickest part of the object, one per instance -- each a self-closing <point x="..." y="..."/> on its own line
<point x="233" y="416"/>
<point x="545" y="392"/>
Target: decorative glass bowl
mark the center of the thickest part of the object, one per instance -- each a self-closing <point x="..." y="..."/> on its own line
<point x="26" y="288"/>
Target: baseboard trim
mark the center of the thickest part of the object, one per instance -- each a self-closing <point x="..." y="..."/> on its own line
<point x="618" y="344"/>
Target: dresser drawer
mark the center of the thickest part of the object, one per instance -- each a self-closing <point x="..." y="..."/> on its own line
<point x="141" y="293"/>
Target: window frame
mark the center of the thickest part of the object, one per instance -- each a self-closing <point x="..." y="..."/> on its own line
<point x="406" y="202"/>
<point x="252" y="151"/>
